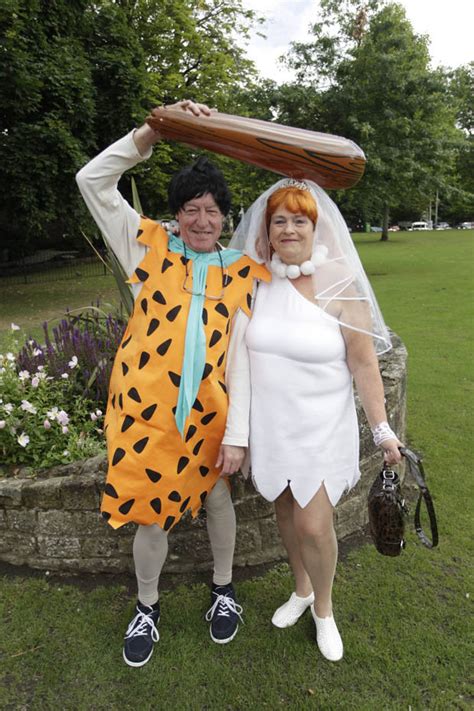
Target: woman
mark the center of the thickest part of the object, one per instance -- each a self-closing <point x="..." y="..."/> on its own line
<point x="314" y="329"/>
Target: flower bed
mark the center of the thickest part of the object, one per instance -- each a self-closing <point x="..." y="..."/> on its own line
<point x="49" y="518"/>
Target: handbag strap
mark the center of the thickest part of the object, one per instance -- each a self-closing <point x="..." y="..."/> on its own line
<point x="415" y="467"/>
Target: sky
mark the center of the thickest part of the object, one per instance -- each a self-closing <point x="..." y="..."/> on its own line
<point x="448" y="24"/>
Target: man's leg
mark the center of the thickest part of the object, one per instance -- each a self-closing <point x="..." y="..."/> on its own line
<point x="224" y="612"/>
<point x="150" y="548"/>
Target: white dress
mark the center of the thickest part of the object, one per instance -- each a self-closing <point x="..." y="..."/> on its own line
<point x="303" y="423"/>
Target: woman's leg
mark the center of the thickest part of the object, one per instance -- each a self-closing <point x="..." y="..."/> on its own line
<point x="284" y="505"/>
<point x="150" y="548"/>
<point x="221" y="528"/>
<point x="314" y="530"/>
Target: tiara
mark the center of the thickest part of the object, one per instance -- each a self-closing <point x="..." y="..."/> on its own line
<point x="292" y="183"/>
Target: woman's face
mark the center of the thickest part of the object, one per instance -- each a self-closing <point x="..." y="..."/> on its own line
<point x="291" y="236"/>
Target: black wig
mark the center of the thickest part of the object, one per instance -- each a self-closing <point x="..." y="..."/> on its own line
<point x="194" y="181"/>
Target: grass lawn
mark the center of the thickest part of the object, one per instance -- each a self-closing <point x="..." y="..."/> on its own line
<point x="406" y="622"/>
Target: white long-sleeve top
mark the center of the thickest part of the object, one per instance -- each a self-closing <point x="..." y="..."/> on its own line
<point x="119" y="223"/>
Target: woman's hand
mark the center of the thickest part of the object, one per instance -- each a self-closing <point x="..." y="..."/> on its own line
<point x="230" y="459"/>
<point x="391" y="453"/>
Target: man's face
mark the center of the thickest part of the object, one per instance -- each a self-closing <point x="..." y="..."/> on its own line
<point x="200" y="223"/>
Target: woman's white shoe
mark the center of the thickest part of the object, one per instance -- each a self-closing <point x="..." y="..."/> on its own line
<point x="290" y="612"/>
<point x="328" y="637"/>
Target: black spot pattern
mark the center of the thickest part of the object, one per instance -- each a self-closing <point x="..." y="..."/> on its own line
<point x="203" y="496"/>
<point x="156" y="505"/>
<point x="153" y="475"/>
<point x="159" y="298"/>
<point x="133" y="394"/>
<point x="128" y="422"/>
<point x="148" y="412"/>
<point x="207" y="418"/>
<point x="171" y="315"/>
<point x="119" y="454"/>
<point x="125" y="343"/>
<point x="125" y="507"/>
<point x="120" y="401"/>
<point x="207" y="369"/>
<point x="110" y="491"/>
<point x="191" y="431"/>
<point x="166" y="265"/>
<point x="106" y="515"/>
<point x="215" y="338"/>
<point x="125" y="368"/>
<point x="184" y="505"/>
<point x="197" y="447"/>
<point x="204" y="316"/>
<point x="227" y="328"/>
<point x="249" y="300"/>
<point x="174" y="496"/>
<point x="154" y="323"/>
<point x="221" y="359"/>
<point x="113" y="402"/>
<point x="198" y="406"/>
<point x="204" y="471"/>
<point x="141" y="274"/>
<point x="173" y="410"/>
<point x="140" y="232"/>
<point x="227" y="279"/>
<point x="168" y="523"/>
<point x="144" y="358"/>
<point x="175" y="378"/>
<point x="222" y="386"/>
<point x="163" y="347"/>
<point x="184" y="260"/>
<point x="183" y="462"/>
<point x="222" y="309"/>
<point x="144" y="305"/>
<point x="140" y="445"/>
<point x="244" y="272"/>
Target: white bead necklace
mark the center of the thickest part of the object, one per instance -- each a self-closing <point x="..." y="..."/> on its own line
<point x="293" y="271"/>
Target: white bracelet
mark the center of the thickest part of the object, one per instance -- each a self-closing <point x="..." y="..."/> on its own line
<point x="382" y="432"/>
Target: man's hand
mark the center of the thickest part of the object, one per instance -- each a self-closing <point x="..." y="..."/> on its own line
<point x="230" y="459"/>
<point x="145" y="136"/>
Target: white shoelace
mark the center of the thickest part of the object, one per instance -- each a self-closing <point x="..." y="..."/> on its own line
<point x="224" y="606"/>
<point x="138" y="627"/>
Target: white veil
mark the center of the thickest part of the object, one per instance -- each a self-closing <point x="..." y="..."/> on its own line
<point x="342" y="289"/>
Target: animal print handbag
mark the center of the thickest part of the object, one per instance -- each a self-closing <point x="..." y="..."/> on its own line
<point x="387" y="508"/>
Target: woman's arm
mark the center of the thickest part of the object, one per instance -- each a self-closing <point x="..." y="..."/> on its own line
<point x="363" y="364"/>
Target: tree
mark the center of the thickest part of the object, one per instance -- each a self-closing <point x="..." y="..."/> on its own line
<point x="377" y="88"/>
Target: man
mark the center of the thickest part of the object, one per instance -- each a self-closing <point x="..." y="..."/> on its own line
<point x="167" y="408"/>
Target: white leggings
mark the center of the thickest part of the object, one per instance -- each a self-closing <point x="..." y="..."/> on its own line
<point x="150" y="545"/>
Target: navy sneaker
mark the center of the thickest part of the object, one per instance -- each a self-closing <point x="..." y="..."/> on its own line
<point x="224" y="613"/>
<point x="141" y="635"/>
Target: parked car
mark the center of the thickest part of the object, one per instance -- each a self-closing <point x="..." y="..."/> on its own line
<point x="394" y="228"/>
<point x="466" y="226"/>
<point x="416" y="226"/>
<point x="376" y="229"/>
<point x="443" y="226"/>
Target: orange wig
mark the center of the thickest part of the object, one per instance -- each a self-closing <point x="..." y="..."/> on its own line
<point x="295" y="200"/>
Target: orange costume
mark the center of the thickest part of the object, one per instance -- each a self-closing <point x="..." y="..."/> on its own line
<point x="155" y="474"/>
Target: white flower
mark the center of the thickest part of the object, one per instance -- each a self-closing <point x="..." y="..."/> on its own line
<point x="23" y="375"/>
<point x="47" y="424"/>
<point x="62" y="417"/>
<point x="23" y="439"/>
<point x="64" y="429"/>
<point x="14" y="327"/>
<point x="98" y="413"/>
<point x="37" y="352"/>
<point x="41" y="375"/>
<point x="8" y="407"/>
<point x="10" y="357"/>
<point x="53" y="413"/>
<point x="65" y="376"/>
<point x="41" y="368"/>
<point x="73" y="362"/>
<point x="31" y="342"/>
<point x="66" y="453"/>
<point x="35" y="382"/>
<point x="93" y="416"/>
<point x="28" y="407"/>
<point x="2" y="424"/>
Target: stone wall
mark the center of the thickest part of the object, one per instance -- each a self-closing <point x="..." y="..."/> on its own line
<point x="50" y="521"/>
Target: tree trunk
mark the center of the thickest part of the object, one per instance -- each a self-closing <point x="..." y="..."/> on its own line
<point x="384" y="236"/>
